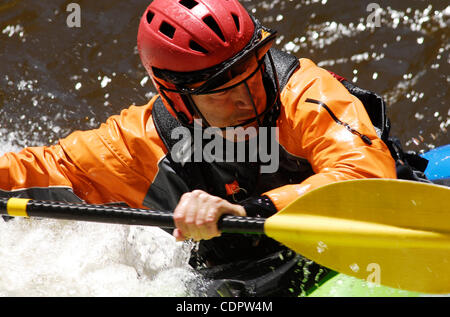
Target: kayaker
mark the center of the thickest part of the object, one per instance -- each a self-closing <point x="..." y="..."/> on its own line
<point x="213" y="65"/>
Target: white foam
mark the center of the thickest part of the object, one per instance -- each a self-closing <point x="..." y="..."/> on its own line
<point x="67" y="258"/>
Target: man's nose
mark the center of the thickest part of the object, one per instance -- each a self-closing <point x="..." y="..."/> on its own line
<point x="243" y="105"/>
<point x="241" y="99"/>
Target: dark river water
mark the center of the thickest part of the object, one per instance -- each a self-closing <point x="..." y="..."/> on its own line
<point x="55" y="79"/>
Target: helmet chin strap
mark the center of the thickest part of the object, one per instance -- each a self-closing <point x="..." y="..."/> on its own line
<point x="253" y="104"/>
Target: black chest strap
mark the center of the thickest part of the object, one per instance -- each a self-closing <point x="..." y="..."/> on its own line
<point x="285" y="65"/>
<point x="165" y="123"/>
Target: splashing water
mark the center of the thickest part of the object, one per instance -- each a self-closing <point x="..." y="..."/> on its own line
<point x="67" y="258"/>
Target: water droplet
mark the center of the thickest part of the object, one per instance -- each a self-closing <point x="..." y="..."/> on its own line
<point x="144" y="81"/>
<point x="105" y="81"/>
<point x="321" y="247"/>
<point x="354" y="267"/>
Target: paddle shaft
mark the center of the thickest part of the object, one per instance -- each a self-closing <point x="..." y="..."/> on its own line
<point x="116" y="215"/>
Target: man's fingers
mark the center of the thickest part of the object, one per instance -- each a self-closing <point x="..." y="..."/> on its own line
<point x="183" y="208"/>
<point x="178" y="235"/>
<point x="197" y="213"/>
<point x="210" y="223"/>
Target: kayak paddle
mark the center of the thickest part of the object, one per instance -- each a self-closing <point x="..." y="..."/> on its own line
<point x="400" y="228"/>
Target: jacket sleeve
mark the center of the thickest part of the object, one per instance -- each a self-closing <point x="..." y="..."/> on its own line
<point x="36" y="172"/>
<point x="326" y="125"/>
<point x="114" y="163"/>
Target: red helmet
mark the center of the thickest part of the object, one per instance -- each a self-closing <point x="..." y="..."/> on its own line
<point x="182" y="42"/>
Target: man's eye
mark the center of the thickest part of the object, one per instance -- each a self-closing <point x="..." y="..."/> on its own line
<point x="220" y="94"/>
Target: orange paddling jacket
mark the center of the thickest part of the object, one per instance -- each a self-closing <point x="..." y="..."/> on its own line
<point x="324" y="133"/>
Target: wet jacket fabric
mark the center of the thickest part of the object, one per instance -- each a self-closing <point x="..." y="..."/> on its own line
<point x="324" y="134"/>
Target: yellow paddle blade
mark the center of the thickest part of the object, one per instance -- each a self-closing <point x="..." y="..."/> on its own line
<point x="392" y="232"/>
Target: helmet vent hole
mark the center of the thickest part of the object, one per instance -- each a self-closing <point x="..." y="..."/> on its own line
<point x="209" y="21"/>
<point x="150" y="16"/>
<point x="236" y="21"/>
<point x="188" y="3"/>
<point x="197" y="47"/>
<point x="167" y="30"/>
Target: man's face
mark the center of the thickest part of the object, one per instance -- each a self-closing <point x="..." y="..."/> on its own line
<point x="238" y="104"/>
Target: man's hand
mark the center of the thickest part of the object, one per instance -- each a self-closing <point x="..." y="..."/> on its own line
<point x="197" y="213"/>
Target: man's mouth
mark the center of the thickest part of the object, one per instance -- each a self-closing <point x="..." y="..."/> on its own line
<point x="246" y="117"/>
